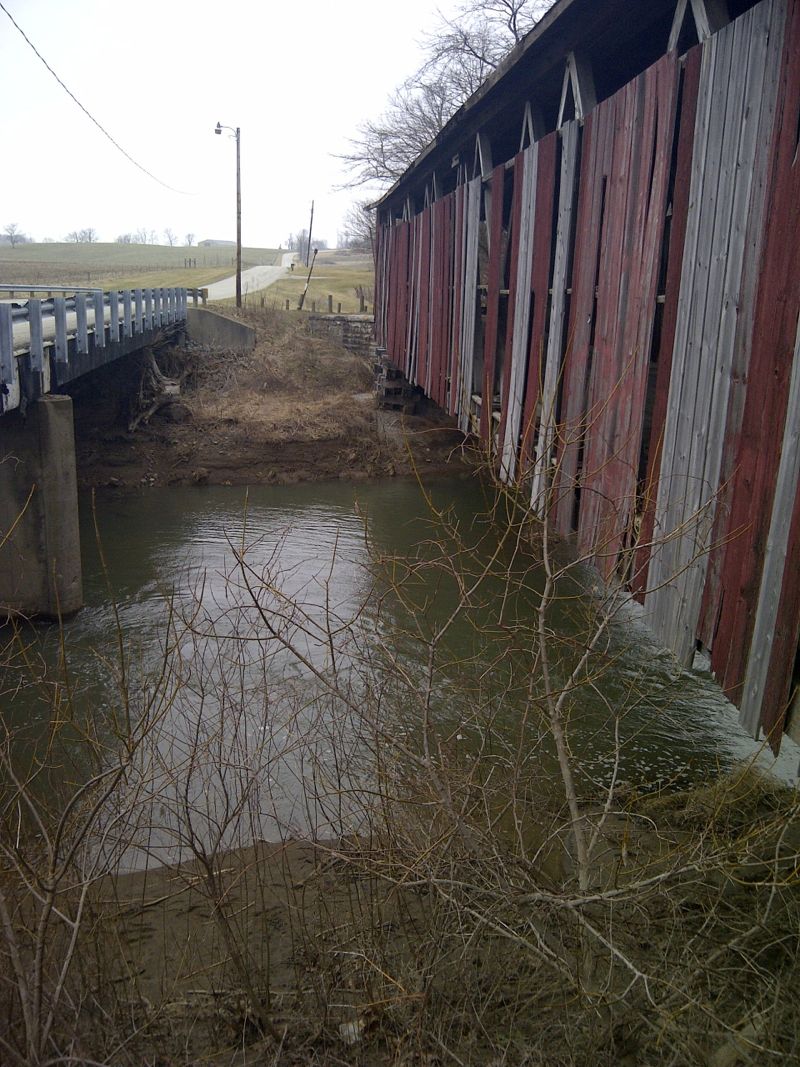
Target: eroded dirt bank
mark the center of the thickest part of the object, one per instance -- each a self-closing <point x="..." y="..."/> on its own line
<point x="297" y="408"/>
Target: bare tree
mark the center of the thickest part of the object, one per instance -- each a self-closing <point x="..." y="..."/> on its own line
<point x="74" y="236"/>
<point x="88" y="235"/>
<point x="385" y="147"/>
<point x="170" y="236"/>
<point x="12" y="232"/>
<point x="461" y="53"/>
<point x="189" y="239"/>
<point x="358" y="230"/>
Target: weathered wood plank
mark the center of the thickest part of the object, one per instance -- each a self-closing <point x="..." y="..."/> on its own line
<point x="541" y="282"/>
<point x="541" y="480"/>
<point x="523" y="267"/>
<point x="775" y="554"/>
<point x="733" y="84"/>
<point x="672" y="283"/>
<point x="469" y="300"/>
<point x="762" y="429"/>
<point x="493" y="286"/>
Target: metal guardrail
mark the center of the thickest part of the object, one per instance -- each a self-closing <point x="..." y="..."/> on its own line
<point x="56" y="321"/>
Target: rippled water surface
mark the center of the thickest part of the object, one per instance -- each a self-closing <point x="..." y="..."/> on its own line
<point x="200" y="556"/>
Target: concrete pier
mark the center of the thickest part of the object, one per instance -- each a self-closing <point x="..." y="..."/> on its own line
<point x="40" y="557"/>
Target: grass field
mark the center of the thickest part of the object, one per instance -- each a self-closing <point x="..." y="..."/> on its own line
<point x="124" y="266"/>
<point x="340" y="274"/>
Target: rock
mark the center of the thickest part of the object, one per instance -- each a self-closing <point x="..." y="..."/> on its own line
<point x="176" y="411"/>
<point x="200" y="476"/>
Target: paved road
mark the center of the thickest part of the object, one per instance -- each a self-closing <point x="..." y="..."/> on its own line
<point x="252" y="280"/>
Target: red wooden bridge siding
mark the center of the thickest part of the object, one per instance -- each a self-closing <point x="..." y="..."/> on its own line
<point x="677" y="374"/>
<point x="540" y="285"/>
<point x="494" y="278"/>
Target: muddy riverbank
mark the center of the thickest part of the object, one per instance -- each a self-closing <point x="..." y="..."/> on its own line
<point x="296" y="409"/>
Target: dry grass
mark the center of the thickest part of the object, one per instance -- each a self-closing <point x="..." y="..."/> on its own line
<point x="338" y="274"/>
<point x="290" y="387"/>
<point x="125" y="266"/>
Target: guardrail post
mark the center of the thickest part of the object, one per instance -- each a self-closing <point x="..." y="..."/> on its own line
<point x="156" y="307"/>
<point x="148" y="309"/>
<point x="127" y="318"/>
<point x="99" y="319"/>
<point x="8" y="365"/>
<point x="113" y="316"/>
<point x="60" y="316"/>
<point x="36" y="336"/>
<point x="82" y="333"/>
<point x="139" y="312"/>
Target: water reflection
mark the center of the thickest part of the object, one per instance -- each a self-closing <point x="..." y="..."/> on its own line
<point x="210" y="587"/>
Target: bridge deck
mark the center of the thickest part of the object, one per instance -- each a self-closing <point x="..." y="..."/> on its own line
<point x="45" y="343"/>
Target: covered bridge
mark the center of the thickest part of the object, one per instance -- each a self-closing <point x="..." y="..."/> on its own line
<point x="596" y="267"/>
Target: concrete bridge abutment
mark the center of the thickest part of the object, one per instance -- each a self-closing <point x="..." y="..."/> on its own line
<point x="40" y="557"/>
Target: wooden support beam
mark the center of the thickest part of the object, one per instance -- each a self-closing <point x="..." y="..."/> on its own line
<point x="483" y="156"/>
<point x="579" y="87"/>
<point x="709" y="17"/>
<point x="533" y="127"/>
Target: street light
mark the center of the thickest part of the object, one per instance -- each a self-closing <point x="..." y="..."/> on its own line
<point x="218" y="129"/>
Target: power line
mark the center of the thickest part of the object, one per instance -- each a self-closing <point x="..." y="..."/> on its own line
<point x="88" y="114"/>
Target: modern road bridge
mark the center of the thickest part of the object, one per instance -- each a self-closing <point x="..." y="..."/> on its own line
<point x="48" y="338"/>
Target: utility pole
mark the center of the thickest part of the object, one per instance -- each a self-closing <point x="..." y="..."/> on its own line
<point x="310" y="228"/>
<point x="238" y="223"/>
<point x="236" y="132"/>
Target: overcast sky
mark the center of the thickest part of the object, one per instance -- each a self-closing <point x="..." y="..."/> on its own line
<point x="158" y="75"/>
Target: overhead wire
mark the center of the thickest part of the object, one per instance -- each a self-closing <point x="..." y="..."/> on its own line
<point x="86" y="112"/>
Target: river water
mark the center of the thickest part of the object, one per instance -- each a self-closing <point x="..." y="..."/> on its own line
<point x="235" y="611"/>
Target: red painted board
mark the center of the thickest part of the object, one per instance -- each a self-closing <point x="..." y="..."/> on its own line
<point x="677" y="238"/>
<point x="541" y="280"/>
<point x="513" y="284"/>
<point x="775" y="328"/>
<point x="493" y="285"/>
